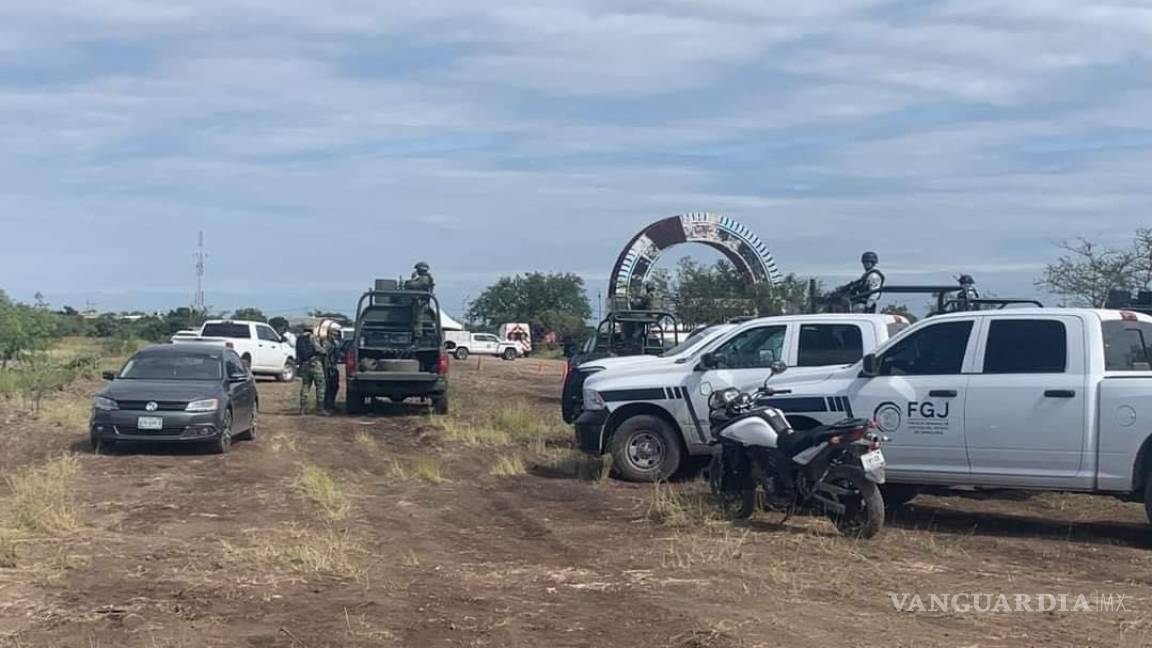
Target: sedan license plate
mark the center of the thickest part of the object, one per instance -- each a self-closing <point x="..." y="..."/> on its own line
<point x="875" y="466"/>
<point x="150" y="423"/>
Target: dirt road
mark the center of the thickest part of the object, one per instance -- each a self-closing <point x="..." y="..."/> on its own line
<point x="399" y="529"/>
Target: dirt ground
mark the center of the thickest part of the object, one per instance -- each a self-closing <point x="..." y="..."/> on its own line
<point x="400" y="529"/>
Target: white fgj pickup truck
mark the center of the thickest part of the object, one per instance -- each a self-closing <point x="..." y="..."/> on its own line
<point x="1036" y="399"/>
<point x="651" y="413"/>
<point x="257" y="344"/>
<point x="463" y="344"/>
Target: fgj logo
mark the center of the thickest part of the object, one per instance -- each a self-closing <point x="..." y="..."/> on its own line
<point x="888" y="417"/>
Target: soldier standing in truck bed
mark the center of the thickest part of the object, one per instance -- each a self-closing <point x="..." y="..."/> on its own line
<point x="421" y="279"/>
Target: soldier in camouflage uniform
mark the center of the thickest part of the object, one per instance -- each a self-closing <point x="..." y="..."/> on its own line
<point x="313" y="373"/>
<point x="421" y="280"/>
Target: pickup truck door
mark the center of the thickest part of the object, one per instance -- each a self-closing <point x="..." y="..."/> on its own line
<point x="269" y="354"/>
<point x="1027" y="410"/>
<point x="917" y="399"/>
<point x="743" y="361"/>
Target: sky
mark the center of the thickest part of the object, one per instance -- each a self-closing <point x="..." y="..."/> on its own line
<point x="321" y="144"/>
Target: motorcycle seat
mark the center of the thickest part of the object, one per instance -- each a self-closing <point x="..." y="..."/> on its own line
<point x="798" y="442"/>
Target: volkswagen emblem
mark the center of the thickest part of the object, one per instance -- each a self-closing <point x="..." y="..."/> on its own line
<point x="152" y="406"/>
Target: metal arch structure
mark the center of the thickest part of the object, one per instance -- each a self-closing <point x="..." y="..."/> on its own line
<point x="737" y="243"/>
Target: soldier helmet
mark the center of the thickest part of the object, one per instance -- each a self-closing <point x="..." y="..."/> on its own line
<point x="870" y="257"/>
<point x="967" y="280"/>
<point x="422" y="267"/>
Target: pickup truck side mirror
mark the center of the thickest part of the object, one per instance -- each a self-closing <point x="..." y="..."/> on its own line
<point x="708" y="362"/>
<point x="871" y="366"/>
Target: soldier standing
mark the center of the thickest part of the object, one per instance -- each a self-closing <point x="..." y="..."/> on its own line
<point x="421" y="279"/>
<point x="867" y="286"/>
<point x="332" y="360"/>
<point x="312" y="371"/>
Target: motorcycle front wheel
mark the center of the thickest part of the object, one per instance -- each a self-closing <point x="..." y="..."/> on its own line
<point x="863" y="515"/>
<point x="734" y="504"/>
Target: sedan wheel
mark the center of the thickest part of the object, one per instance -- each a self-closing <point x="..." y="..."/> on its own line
<point x="250" y="433"/>
<point x="223" y="443"/>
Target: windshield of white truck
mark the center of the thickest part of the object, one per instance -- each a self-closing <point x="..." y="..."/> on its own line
<point x="696" y="340"/>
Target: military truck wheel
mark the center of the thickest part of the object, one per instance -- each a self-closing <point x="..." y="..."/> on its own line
<point x="510" y="354"/>
<point x="461" y="354"/>
<point x="440" y="404"/>
<point x="353" y="402"/>
<point x="646" y="449"/>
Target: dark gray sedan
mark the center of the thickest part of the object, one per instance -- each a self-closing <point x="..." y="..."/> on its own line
<point x="183" y="393"/>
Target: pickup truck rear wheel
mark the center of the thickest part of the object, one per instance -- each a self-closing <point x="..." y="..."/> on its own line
<point x="1148" y="501"/>
<point x="510" y="354"/>
<point x="461" y="354"/>
<point x="440" y="404"/>
<point x="646" y="449"/>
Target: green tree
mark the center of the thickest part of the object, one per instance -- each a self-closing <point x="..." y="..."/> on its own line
<point x="279" y="324"/>
<point x="551" y="302"/>
<point x="24" y="329"/>
<point x="249" y="314"/>
<point x="1087" y="271"/>
<point x="702" y="294"/>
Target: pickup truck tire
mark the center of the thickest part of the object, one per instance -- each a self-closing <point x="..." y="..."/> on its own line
<point x="645" y="449"/>
<point x="288" y="374"/>
<point x="440" y="404"/>
<point x="510" y="354"/>
<point x="898" y="495"/>
<point x="461" y="354"/>
<point x="1148" y="500"/>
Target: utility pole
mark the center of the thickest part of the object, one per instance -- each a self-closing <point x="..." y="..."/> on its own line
<point x="198" y="298"/>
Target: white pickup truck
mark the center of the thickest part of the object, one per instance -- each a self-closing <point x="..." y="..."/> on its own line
<point x="257" y="344"/>
<point x="651" y="413"/>
<point x="463" y="344"/>
<point x="1037" y="399"/>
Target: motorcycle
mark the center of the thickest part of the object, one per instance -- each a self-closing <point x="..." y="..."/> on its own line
<point x="835" y="470"/>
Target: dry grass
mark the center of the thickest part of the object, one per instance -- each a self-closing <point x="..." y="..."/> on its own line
<point x="426" y="469"/>
<point x="42" y="497"/>
<point x="7" y="549"/>
<point x="281" y="443"/>
<point x="671" y="506"/>
<point x="311" y="551"/>
<point x="474" y="435"/>
<point x="365" y="441"/>
<point x="691" y="551"/>
<point x="578" y="465"/>
<point x="494" y="421"/>
<point x="318" y="486"/>
<point x="508" y="466"/>
<point x="69" y="414"/>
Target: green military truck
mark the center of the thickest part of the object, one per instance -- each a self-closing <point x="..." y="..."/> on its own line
<point x="397" y="349"/>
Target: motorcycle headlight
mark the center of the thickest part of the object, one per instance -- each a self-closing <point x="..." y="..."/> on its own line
<point x="104" y="404"/>
<point x="206" y="405"/>
<point x="593" y="400"/>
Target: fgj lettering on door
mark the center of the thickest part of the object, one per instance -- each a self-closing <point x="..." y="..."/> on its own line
<point x="917" y="417"/>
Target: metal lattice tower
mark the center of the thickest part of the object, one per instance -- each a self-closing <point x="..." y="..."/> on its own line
<point x="198" y="298"/>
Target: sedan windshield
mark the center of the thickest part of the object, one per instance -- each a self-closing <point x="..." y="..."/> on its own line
<point x="171" y="366"/>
